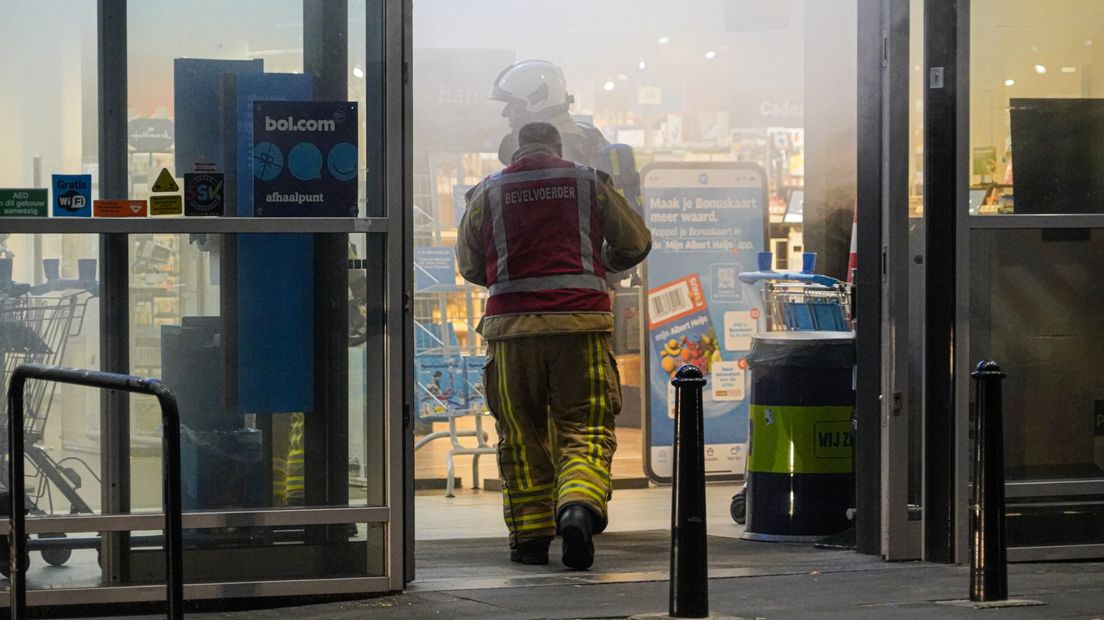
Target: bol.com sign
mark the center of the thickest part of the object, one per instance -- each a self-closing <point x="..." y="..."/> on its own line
<point x="303" y="124"/>
<point x="305" y="159"/>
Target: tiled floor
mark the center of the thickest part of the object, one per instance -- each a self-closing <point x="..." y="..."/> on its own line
<point x="478" y="514"/>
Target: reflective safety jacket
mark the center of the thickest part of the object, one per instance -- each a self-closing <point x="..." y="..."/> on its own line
<point x="541" y="236"/>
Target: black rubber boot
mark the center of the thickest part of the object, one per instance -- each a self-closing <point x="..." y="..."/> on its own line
<point x="531" y="551"/>
<point x="576" y="524"/>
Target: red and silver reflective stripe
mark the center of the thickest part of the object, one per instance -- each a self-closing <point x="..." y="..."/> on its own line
<point x="586" y="279"/>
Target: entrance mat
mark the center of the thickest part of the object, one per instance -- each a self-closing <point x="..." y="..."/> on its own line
<point x="620" y="556"/>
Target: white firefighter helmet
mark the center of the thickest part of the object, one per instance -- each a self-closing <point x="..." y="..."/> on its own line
<point x="535" y="89"/>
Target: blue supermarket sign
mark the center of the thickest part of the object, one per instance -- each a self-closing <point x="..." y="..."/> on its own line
<point x="708" y="222"/>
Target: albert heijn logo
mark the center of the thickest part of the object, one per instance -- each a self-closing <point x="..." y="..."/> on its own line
<point x="72" y="195"/>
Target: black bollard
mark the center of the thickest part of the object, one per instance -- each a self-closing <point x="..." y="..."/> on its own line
<point x="988" y="537"/>
<point x="689" y="556"/>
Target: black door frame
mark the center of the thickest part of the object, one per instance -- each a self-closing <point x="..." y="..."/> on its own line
<point x="946" y="128"/>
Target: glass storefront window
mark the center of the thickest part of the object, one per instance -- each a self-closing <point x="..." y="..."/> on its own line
<point x="50" y="109"/>
<point x="230" y="322"/>
<point x="1034" y="298"/>
<point x="1034" y="83"/>
<point x="49" y="294"/>
<point x="279" y="346"/>
<point x="50" y="314"/>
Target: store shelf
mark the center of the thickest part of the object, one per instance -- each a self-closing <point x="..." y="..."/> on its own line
<point x="183" y="225"/>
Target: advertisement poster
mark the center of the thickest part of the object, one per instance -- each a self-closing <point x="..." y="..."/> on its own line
<point x="708" y="221"/>
<point x="434" y="269"/>
<point x="305" y="159"/>
<point x="441" y="384"/>
<point x="473" y="372"/>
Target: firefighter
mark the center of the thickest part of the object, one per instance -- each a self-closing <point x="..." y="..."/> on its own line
<point x="541" y="235"/>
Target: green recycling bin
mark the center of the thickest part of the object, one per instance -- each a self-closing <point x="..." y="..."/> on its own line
<point x="800" y="469"/>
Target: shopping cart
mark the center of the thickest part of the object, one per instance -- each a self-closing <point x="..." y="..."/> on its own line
<point x="36" y="325"/>
<point x="797" y="301"/>
<point x="802" y="301"/>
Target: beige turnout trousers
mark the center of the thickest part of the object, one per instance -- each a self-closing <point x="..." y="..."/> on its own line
<point x="554" y="399"/>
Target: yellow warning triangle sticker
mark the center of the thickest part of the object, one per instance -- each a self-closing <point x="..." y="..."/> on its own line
<point x="165" y="182"/>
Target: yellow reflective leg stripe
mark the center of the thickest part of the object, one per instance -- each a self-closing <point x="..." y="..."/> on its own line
<point x="596" y="376"/>
<point x="586" y="488"/>
<point x="576" y="464"/>
<point x="521" y="461"/>
<point x="584" y="483"/>
<point x="500" y="359"/>
<point x="592" y="380"/>
<point x="524" y="450"/>
<point x="600" y="389"/>
<point x="537" y="493"/>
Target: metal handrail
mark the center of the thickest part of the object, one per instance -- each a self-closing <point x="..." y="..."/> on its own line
<point x="170" y="423"/>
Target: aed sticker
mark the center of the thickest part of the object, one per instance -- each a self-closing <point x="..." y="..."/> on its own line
<point x="119" y="208"/>
<point x="72" y="195"/>
<point x="739" y="327"/>
<point x="24" y="203"/>
<point x="203" y="194"/>
<point x="727" y="381"/>
<point x="170" y="204"/>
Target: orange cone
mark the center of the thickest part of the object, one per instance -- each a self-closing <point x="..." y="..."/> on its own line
<point x="853" y="258"/>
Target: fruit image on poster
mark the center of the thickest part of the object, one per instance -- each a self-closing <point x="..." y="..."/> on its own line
<point x="708" y="222"/>
<point x="681" y="330"/>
